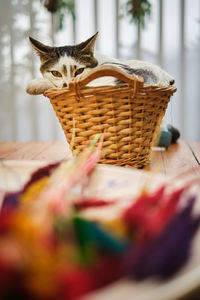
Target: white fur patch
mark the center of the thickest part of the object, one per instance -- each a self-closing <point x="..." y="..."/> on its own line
<point x="102" y="81"/>
<point x="163" y="77"/>
<point x="68" y="61"/>
<point x="38" y="86"/>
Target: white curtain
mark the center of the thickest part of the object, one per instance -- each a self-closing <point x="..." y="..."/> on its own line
<point x="171" y="39"/>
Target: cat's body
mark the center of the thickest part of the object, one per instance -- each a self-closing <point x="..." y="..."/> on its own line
<point x="60" y="64"/>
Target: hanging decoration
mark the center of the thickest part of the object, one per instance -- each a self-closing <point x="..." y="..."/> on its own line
<point x="61" y="8"/>
<point x="138" y="10"/>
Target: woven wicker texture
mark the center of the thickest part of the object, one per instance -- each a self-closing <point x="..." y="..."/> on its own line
<point x="129" y="115"/>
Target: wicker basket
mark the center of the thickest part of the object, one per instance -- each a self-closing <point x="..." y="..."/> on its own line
<point x="129" y="115"/>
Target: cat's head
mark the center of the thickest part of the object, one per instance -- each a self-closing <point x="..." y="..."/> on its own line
<point x="60" y="64"/>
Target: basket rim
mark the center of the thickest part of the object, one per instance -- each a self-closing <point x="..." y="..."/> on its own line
<point x="145" y="88"/>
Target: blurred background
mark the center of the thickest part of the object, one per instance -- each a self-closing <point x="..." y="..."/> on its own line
<point x="165" y="32"/>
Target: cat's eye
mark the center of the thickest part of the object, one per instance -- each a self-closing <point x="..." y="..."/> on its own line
<point x="56" y="73"/>
<point x="79" y="71"/>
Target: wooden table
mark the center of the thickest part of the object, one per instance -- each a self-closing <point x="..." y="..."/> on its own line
<point x="176" y="159"/>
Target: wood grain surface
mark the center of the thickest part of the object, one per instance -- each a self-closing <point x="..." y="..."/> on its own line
<point x="176" y="159"/>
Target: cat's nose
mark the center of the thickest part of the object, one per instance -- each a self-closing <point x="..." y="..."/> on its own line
<point x="64" y="85"/>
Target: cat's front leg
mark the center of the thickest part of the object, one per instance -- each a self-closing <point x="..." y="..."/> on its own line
<point x="38" y="86"/>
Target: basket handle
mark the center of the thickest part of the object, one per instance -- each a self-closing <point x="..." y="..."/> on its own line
<point x="102" y="71"/>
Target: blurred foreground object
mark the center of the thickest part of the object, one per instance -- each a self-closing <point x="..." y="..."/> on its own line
<point x="50" y="248"/>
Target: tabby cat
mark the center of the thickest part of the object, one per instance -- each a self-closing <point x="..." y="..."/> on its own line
<point x="60" y="64"/>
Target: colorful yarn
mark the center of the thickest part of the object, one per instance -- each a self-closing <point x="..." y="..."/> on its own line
<point x="49" y="249"/>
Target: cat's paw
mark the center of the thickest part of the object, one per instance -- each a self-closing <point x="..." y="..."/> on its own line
<point x="165" y="79"/>
<point x="38" y="86"/>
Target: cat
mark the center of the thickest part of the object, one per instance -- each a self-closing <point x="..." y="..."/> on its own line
<point x="60" y="64"/>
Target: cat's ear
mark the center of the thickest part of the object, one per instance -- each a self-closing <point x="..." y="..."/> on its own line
<point x="40" y="48"/>
<point x="88" y="45"/>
